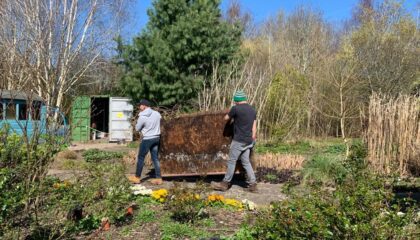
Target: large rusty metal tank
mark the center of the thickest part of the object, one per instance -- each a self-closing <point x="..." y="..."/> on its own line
<point x="195" y="144"/>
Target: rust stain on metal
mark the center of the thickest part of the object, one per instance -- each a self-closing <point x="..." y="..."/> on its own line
<point x="196" y="144"/>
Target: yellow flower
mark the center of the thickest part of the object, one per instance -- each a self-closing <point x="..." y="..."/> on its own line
<point x="233" y="203"/>
<point x="163" y="192"/>
<point x="160" y="195"/>
<point x="197" y="196"/>
<point x="66" y="183"/>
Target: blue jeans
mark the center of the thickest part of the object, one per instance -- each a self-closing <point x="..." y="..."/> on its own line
<point x="147" y="145"/>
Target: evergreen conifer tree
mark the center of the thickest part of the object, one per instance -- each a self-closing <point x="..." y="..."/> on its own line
<point x="168" y="62"/>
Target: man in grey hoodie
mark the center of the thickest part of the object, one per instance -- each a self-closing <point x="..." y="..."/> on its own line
<point x="149" y="125"/>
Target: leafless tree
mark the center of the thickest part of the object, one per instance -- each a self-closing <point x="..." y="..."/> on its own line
<point x="362" y="11"/>
<point x="236" y="14"/>
<point x="386" y="50"/>
<point x="49" y="46"/>
<point x="339" y="90"/>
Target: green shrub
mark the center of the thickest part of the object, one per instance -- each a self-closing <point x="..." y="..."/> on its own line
<point x="101" y="191"/>
<point x="12" y="194"/>
<point x="289" y="88"/>
<point x="24" y="163"/>
<point x="88" y="223"/>
<point x="337" y="148"/>
<point x="34" y="205"/>
<point x="359" y="207"/>
<point x="244" y="233"/>
<point x="356" y="162"/>
<point x="96" y="155"/>
<point x="105" y="191"/>
<point x="186" y="204"/>
<point x="357" y="212"/>
<point x="324" y="170"/>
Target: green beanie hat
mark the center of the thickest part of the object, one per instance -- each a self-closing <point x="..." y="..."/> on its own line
<point x="239" y="96"/>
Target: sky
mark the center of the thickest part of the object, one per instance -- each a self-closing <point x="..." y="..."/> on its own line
<point x="335" y="11"/>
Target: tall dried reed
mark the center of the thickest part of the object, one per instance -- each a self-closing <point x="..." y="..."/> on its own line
<point x="393" y="134"/>
<point x="279" y="161"/>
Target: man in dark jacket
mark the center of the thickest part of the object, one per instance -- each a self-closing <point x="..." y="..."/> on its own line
<point x="244" y="120"/>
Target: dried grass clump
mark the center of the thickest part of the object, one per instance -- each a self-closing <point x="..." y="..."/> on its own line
<point x="68" y="154"/>
<point x="279" y="161"/>
<point x="393" y="134"/>
<point x="131" y="159"/>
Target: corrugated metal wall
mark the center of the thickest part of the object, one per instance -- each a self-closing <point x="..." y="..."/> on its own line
<point x="120" y="113"/>
<point x="80" y="119"/>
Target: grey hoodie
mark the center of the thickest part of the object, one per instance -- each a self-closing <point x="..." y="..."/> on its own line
<point x="149" y="123"/>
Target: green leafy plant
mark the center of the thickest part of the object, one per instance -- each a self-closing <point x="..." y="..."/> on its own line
<point x="359" y="207"/>
<point x="271" y="177"/>
<point x="106" y="191"/>
<point x="101" y="191"/>
<point x="175" y="230"/>
<point x="299" y="147"/>
<point x="96" y="155"/>
<point x="24" y="163"/>
<point x="323" y="169"/>
<point x="145" y="216"/>
<point x="186" y="204"/>
<point x="244" y="233"/>
<point x="133" y="144"/>
<point x="12" y="194"/>
<point x="339" y="148"/>
<point x="88" y="223"/>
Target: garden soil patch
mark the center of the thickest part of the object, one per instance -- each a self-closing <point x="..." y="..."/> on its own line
<point x="226" y="222"/>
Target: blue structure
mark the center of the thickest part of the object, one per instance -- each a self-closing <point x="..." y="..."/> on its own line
<point x="25" y="113"/>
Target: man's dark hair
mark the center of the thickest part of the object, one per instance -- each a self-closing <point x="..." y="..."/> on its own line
<point x="144" y="102"/>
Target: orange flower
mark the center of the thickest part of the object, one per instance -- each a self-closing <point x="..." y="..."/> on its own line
<point x="215" y="197"/>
